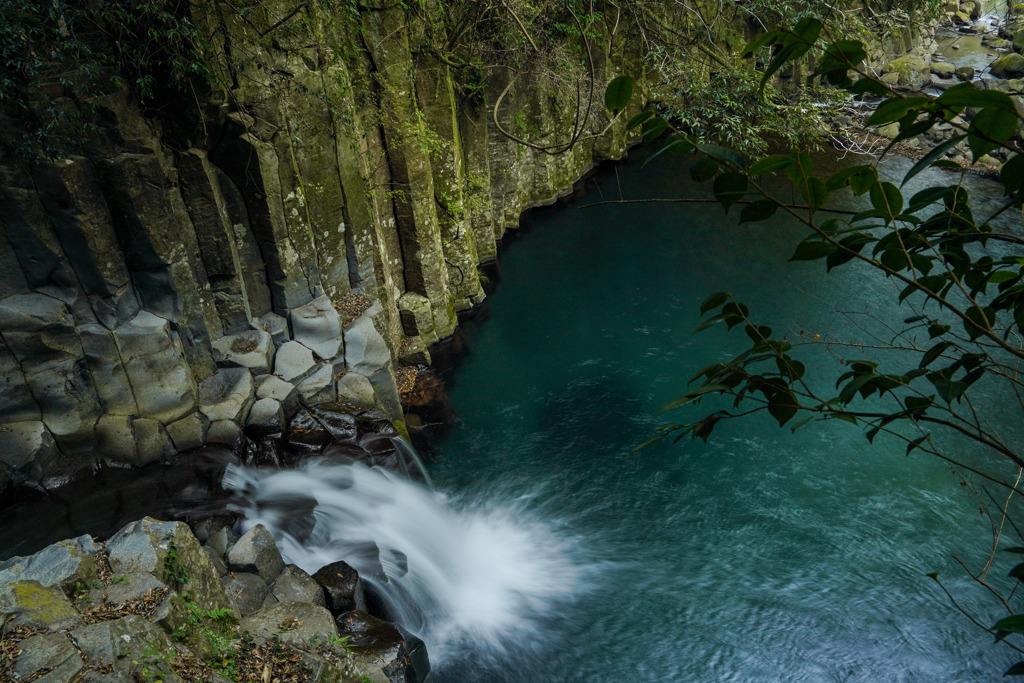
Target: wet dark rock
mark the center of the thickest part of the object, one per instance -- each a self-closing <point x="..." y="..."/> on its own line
<point x="247" y="592"/>
<point x="222" y="539"/>
<point x="306" y="436"/>
<point x="378" y="642"/>
<point x="295" y="584"/>
<point x="256" y="552"/>
<point x="339" y="423"/>
<point x="342" y="587"/>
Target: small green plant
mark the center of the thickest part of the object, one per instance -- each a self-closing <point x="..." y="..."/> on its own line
<point x="175" y="573"/>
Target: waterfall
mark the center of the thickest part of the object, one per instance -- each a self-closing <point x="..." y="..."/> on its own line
<point x="460" y="575"/>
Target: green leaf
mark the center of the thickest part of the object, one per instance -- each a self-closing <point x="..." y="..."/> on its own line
<point x="967" y="95"/>
<point x="869" y="86"/>
<point x="638" y="119"/>
<point x="763" y="40"/>
<point x="770" y="164"/>
<point x="991" y="128"/>
<point x="618" y="93"/>
<point x="814" y="192"/>
<point x="811" y="249"/>
<point x="1012" y="624"/>
<point x="729" y="188"/>
<point x="1015" y="670"/>
<point x="713" y="301"/>
<point x="653" y="128"/>
<point x="931" y="156"/>
<point x="677" y="145"/>
<point x="887" y="198"/>
<point x="1012" y="173"/>
<point x="933" y="353"/>
<point x="694" y="395"/>
<point x="979" y="320"/>
<point x="783" y="406"/>
<point x="760" y="210"/>
<point x="704" y="170"/>
<point x="894" y="109"/>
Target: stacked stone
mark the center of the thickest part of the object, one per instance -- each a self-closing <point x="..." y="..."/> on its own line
<point x="78" y="611"/>
<point x="130" y="394"/>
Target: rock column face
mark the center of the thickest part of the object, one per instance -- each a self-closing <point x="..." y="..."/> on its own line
<point x="178" y="248"/>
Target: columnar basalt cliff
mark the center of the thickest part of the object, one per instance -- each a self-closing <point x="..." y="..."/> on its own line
<point x="311" y="218"/>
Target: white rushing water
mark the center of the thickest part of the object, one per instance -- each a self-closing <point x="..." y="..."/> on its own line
<point x="460" y="576"/>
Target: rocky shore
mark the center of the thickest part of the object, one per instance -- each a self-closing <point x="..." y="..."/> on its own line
<point x="153" y="603"/>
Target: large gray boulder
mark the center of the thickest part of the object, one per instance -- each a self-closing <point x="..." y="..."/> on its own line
<point x="285" y="393"/>
<point x="47" y="657"/>
<point x="247" y="592"/>
<point x="318" y="387"/>
<point x="29" y="603"/>
<point x="296" y="585"/>
<point x="252" y="349"/>
<point x="227" y="395"/>
<point x="63" y="564"/>
<point x="318" y="326"/>
<point x="275" y="325"/>
<point x="294" y="623"/>
<point x="366" y="352"/>
<point x="355" y="389"/>
<point x="293" y="362"/>
<point x="189" y="433"/>
<point x="256" y="553"/>
<point x="266" y="416"/>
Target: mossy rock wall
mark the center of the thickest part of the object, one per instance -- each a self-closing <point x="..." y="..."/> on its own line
<point x="334" y="156"/>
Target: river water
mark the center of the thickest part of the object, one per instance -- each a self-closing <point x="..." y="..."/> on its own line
<point x="760" y="556"/>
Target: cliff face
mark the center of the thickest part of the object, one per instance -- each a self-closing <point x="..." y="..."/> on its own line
<point x="318" y="214"/>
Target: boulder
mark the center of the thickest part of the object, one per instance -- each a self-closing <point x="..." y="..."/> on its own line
<point x="1018" y="40"/>
<point x="342" y="587"/>
<point x="266" y="416"/>
<point x="294" y="584"/>
<point x="376" y="642"/>
<point x="964" y="73"/>
<point x="222" y="539"/>
<point x="911" y="71"/>
<point x="295" y="623"/>
<point x="30" y="603"/>
<point x="227" y="394"/>
<point x="943" y="69"/>
<point x="338" y="421"/>
<point x="318" y="387"/>
<point x="48" y="657"/>
<point x="225" y="433"/>
<point x="189" y="433"/>
<point x="154" y="361"/>
<point x="274" y="325"/>
<point x="293" y="362"/>
<point x="151" y="440"/>
<point x="366" y="352"/>
<point x="256" y="552"/>
<point x="247" y="592"/>
<point x="271" y="386"/>
<point x="169" y="551"/>
<point x="355" y="389"/>
<point x="1008" y="66"/>
<point x="306" y="435"/>
<point x="317" y="326"/>
<point x="252" y="349"/>
<point x="217" y="559"/>
<point x="121" y="643"/>
<point x="63" y="564"/>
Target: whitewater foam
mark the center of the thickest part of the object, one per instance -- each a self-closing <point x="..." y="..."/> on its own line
<point x="459" y="575"/>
